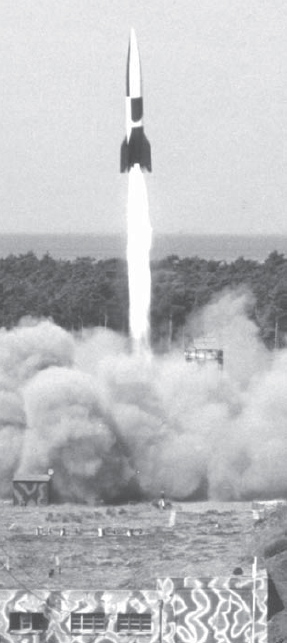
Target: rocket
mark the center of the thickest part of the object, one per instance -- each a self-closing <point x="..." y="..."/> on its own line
<point x="135" y="149"/>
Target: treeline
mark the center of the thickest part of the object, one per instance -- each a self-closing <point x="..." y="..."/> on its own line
<point x="85" y="292"/>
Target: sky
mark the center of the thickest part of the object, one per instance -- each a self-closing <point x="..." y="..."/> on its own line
<point x="215" y="109"/>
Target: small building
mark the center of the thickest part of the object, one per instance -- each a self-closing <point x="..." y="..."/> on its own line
<point x="31" y="490"/>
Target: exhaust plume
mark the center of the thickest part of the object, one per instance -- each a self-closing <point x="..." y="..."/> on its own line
<point x="116" y="427"/>
<point x="138" y="250"/>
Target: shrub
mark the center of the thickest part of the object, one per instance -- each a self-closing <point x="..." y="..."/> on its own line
<point x="275" y="547"/>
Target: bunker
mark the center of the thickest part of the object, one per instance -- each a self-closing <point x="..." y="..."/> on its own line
<point x="177" y="611"/>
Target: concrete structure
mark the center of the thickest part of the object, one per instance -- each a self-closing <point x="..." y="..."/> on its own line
<point x="181" y="610"/>
<point x="31" y="490"/>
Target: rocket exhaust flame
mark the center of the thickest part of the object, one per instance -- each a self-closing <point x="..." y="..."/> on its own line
<point x="138" y="249"/>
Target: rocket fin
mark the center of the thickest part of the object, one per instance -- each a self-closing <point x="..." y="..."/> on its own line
<point x="146" y="154"/>
<point x="124" y="156"/>
<point x="136" y="150"/>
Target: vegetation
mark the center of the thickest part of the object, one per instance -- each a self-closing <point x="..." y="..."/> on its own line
<point x="279" y="545"/>
<point x="268" y="541"/>
<point x="30" y="537"/>
<point x="86" y="292"/>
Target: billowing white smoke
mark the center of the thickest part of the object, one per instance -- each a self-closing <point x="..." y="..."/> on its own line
<point x="115" y="426"/>
<point x="24" y="352"/>
<point x="67" y="429"/>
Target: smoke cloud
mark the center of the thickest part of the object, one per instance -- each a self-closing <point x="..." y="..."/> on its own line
<point x="116" y="425"/>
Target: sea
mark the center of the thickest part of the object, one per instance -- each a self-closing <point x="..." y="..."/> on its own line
<point x="221" y="247"/>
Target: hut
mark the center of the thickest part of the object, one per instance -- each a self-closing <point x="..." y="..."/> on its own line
<point x="31" y="490"/>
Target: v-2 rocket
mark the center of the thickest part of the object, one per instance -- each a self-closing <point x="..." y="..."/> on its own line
<point x="135" y="148"/>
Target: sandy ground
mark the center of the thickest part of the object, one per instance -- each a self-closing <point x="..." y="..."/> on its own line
<point x="200" y="539"/>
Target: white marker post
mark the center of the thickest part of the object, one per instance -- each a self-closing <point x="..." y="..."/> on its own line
<point x="254" y="577"/>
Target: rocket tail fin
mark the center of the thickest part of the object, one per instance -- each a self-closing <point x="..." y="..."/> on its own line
<point x="136" y="150"/>
<point x="124" y="156"/>
<point x="146" y="154"/>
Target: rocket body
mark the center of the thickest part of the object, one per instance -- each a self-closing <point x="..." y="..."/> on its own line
<point x="135" y="148"/>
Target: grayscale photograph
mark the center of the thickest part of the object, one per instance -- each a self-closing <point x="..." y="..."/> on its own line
<point x="143" y="314"/>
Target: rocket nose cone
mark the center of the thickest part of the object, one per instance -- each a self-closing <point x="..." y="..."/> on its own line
<point x="133" y="44"/>
<point x="133" y="37"/>
<point x="133" y="68"/>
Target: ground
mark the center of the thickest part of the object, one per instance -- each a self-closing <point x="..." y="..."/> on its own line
<point x="201" y="539"/>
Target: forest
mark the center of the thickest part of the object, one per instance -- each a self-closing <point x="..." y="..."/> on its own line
<point x="85" y="292"/>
